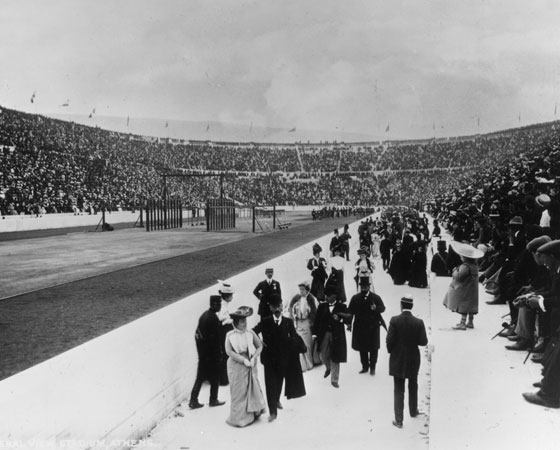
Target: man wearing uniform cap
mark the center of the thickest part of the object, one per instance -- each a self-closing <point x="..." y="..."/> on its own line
<point x="405" y="334"/>
<point x="264" y="292"/>
<point x="549" y="393"/>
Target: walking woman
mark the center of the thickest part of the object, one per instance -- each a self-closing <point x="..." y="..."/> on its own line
<point x="462" y="295"/>
<point x="302" y="310"/>
<point x="243" y="348"/>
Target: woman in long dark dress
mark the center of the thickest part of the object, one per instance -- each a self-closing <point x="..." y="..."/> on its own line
<point x="418" y="276"/>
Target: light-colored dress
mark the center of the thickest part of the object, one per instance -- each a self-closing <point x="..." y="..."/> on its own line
<point x="303" y="315"/>
<point x="375" y="244"/>
<point x="247" y="400"/>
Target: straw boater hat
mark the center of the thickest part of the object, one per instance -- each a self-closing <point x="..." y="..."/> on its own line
<point x="407" y="299"/>
<point x="466" y="250"/>
<point x="225" y="288"/>
<point x="242" y="311"/>
<point x="543" y="200"/>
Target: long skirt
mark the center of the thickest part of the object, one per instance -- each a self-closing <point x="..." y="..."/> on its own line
<point x="303" y="328"/>
<point x="247" y="400"/>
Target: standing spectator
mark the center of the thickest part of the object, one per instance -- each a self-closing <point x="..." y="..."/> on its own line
<point x="345" y="241"/>
<point x="385" y="247"/>
<point x="330" y="332"/>
<point x="318" y="267"/>
<point x="264" y="292"/>
<point x="364" y="268"/>
<point x="462" y="295"/>
<point x="336" y="277"/>
<point x="366" y="308"/>
<point x="243" y="348"/>
<point x="335" y="241"/>
<point x="210" y="353"/>
<point x="439" y="260"/>
<point x="405" y="334"/>
<point x="418" y="275"/>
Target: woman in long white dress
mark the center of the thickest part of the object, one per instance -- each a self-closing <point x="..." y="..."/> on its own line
<point x="302" y="310"/>
<point x="243" y="348"/>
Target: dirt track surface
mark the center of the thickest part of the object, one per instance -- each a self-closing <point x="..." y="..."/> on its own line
<point x="39" y="325"/>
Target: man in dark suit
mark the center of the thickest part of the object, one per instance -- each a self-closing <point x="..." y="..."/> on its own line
<point x="208" y="337"/>
<point x="366" y="308"/>
<point x="330" y="332"/>
<point x="264" y="292"/>
<point x="278" y="334"/>
<point x="405" y="334"/>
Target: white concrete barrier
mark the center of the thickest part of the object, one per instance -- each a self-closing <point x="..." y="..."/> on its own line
<point x="117" y="387"/>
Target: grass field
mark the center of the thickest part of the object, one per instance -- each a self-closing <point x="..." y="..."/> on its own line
<point x="38" y="325"/>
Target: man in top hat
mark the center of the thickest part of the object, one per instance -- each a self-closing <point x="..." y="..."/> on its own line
<point x="439" y="260"/>
<point x="330" y="333"/>
<point x="405" y="334"/>
<point x="549" y="393"/>
<point x="345" y="242"/>
<point x="365" y="308"/>
<point x="335" y="241"/>
<point x="264" y="292"/>
<point x="279" y="357"/>
<point x="318" y="267"/>
<point x="209" y="345"/>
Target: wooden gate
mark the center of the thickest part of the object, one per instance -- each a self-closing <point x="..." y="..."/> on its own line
<point x="164" y="214"/>
<point x="220" y="214"/>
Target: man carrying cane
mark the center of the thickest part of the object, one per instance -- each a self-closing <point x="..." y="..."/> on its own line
<point x="405" y="334"/>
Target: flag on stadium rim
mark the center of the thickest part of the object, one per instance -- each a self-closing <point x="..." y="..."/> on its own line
<point x="387" y="129"/>
<point x="292" y="130"/>
<point x="166" y="124"/>
<point x="66" y="103"/>
<point x="127" y="120"/>
<point x="207" y="127"/>
<point x="33" y="97"/>
<point x="92" y="113"/>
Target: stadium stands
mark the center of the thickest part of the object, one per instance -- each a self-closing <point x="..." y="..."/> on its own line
<point x="50" y="166"/>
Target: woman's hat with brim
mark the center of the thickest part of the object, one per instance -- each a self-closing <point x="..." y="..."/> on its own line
<point x="242" y="311"/>
<point x="317" y="248"/>
<point x="466" y="250"/>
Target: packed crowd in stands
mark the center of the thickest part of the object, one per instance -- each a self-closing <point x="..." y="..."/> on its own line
<point x="49" y="166"/>
<point x="510" y="213"/>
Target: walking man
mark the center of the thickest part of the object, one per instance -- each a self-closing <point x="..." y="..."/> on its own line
<point x="330" y="332"/>
<point x="208" y="337"/>
<point x="278" y="333"/>
<point x="366" y="308"/>
<point x="405" y="334"/>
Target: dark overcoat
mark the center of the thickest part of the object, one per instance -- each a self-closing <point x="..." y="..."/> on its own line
<point x="264" y="291"/>
<point x="325" y="322"/>
<point x="405" y="334"/>
<point x="280" y="352"/>
<point x="208" y="338"/>
<point x="365" y="329"/>
<point x="319" y="275"/>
